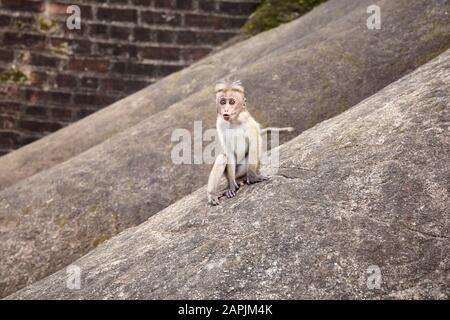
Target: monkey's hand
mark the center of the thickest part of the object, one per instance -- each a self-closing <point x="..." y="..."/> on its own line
<point x="253" y="177"/>
<point x="213" y="200"/>
<point x="232" y="188"/>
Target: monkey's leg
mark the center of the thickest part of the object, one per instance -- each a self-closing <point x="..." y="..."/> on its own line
<point x="216" y="174"/>
<point x="253" y="157"/>
<point x="231" y="176"/>
<point x="241" y="171"/>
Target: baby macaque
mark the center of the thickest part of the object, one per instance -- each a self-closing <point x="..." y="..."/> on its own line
<point x="240" y="138"/>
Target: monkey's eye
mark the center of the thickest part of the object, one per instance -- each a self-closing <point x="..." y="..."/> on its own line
<point x="232" y="101"/>
<point x="223" y="101"/>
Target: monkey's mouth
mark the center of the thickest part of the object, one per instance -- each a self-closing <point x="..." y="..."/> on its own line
<point x="226" y="117"/>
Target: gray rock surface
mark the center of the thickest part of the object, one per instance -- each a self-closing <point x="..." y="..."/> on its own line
<point x="50" y="219"/>
<point x="369" y="187"/>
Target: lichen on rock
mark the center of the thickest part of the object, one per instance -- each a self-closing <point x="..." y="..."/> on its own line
<point x="272" y="13"/>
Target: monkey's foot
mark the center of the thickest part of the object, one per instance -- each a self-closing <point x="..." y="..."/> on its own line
<point x="230" y="193"/>
<point x="213" y="200"/>
<point x="233" y="186"/>
<point x="254" y="178"/>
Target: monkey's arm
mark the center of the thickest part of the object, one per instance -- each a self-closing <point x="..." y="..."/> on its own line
<point x="231" y="176"/>
<point x="216" y="174"/>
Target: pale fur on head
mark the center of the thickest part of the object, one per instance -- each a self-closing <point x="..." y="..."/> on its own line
<point x="224" y="86"/>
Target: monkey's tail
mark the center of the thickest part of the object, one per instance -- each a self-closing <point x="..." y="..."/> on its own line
<point x="274" y="129"/>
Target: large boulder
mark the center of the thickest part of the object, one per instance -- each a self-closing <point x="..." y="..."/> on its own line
<point x="358" y="209"/>
<point x="50" y="219"/>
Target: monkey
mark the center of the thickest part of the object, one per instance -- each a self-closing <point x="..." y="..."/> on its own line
<point x="240" y="136"/>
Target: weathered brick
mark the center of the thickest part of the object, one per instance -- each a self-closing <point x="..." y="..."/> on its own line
<point x="6" y="55"/>
<point x="165" y="36"/>
<point x="93" y="99"/>
<point x="26" y="139"/>
<point x="220" y="37"/>
<point x="9" y="91"/>
<point x="236" y="23"/>
<point x="149" y="70"/>
<point x="192" y="54"/>
<point x="7" y="122"/>
<point x="213" y="22"/>
<point x="9" y="139"/>
<point x="135" y="85"/>
<point x="24" y="23"/>
<point x="38" y="125"/>
<point x="35" y="96"/>
<point x="80" y="46"/>
<point x="122" y="85"/>
<point x="60" y="97"/>
<point x="163" y="3"/>
<point x="120" y="33"/>
<point x="36" y="111"/>
<point x="54" y="8"/>
<point x="24" y="39"/>
<point x="22" y="5"/>
<point x="122" y="15"/>
<point x="164" y="70"/>
<point x="45" y="61"/>
<point x="98" y="30"/>
<point x="85" y="12"/>
<point x="62" y="114"/>
<point x="95" y="65"/>
<point x="4" y="20"/>
<point x="120" y="67"/>
<point x="142" y="2"/>
<point x="143" y="34"/>
<point x="203" y="37"/>
<point x="198" y="20"/>
<point x="73" y="45"/>
<point x="242" y="8"/>
<point x="112" y="53"/>
<point x="183" y="4"/>
<point x="187" y="37"/>
<point x="66" y="81"/>
<point x="116" y="84"/>
<point x="161" y="53"/>
<point x="39" y="78"/>
<point x="208" y="6"/>
<point x="161" y="18"/>
<point x="9" y="108"/>
<point x="89" y="82"/>
<point x="116" y="50"/>
<point x="81" y="113"/>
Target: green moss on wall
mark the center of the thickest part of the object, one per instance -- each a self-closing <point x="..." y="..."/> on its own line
<point x="46" y="24"/>
<point x="13" y="75"/>
<point x="272" y="13"/>
<point x="62" y="48"/>
<point x="20" y="24"/>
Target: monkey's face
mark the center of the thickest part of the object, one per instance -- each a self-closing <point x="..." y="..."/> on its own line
<point x="229" y="104"/>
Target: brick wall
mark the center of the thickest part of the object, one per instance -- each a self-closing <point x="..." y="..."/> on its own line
<point x="51" y="76"/>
